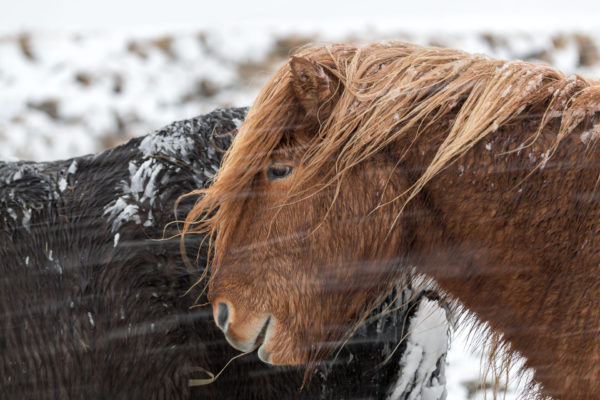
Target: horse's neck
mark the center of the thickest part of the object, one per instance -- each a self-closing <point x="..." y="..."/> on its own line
<point x="517" y="245"/>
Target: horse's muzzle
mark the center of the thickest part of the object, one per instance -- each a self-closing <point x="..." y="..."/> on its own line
<point x="244" y="332"/>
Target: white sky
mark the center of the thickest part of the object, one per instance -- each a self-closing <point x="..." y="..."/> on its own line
<point x="425" y="14"/>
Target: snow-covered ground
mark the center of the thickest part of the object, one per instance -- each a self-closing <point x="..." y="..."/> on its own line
<point x="65" y="93"/>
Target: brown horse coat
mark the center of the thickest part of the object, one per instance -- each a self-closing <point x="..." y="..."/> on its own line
<point x="357" y="163"/>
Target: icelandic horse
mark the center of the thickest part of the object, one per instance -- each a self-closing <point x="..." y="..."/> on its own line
<point x="356" y="164"/>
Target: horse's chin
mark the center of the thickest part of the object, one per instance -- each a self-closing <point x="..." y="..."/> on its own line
<point x="268" y="353"/>
<point x="265" y="355"/>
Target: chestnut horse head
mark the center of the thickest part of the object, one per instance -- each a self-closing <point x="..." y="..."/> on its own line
<point x="356" y="163"/>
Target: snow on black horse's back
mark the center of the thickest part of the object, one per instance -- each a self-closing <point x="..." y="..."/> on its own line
<point x="92" y="306"/>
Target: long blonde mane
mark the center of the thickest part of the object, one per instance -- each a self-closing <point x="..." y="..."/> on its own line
<point x="386" y="91"/>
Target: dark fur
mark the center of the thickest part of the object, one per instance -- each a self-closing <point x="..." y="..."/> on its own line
<point x="61" y="271"/>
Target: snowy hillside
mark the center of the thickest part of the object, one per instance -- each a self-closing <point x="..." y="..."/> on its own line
<point x="64" y="94"/>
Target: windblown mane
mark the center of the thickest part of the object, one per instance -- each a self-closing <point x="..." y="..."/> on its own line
<point x="387" y="91"/>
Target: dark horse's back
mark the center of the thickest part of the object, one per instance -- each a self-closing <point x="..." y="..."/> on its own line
<point x="92" y="305"/>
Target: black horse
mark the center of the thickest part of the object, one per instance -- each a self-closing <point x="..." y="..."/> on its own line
<point x="93" y="305"/>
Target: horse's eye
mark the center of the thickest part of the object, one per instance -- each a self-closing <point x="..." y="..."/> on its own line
<point x="278" y="171"/>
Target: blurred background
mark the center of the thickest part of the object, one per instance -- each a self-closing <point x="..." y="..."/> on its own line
<point x="79" y="77"/>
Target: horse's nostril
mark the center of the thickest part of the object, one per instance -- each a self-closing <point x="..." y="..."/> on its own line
<point x="222" y="315"/>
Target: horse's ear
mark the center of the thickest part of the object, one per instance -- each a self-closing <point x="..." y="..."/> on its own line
<point x="312" y="87"/>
